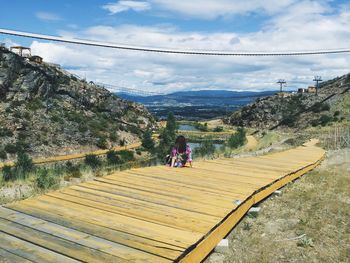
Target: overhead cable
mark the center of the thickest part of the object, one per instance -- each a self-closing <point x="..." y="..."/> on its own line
<point x="170" y="50"/>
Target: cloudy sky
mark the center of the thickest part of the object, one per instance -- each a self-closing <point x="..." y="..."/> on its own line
<point x="232" y="25"/>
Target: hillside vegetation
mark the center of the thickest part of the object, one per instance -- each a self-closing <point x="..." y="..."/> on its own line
<point x="331" y="105"/>
<point x="45" y="110"/>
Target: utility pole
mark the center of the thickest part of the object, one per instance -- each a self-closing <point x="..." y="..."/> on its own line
<point x="317" y="79"/>
<point x="281" y="82"/>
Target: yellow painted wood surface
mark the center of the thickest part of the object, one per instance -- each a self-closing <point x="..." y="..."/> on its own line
<point x="75" y="156"/>
<point x="154" y="214"/>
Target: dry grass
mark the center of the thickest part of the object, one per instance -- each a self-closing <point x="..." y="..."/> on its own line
<point x="316" y="209"/>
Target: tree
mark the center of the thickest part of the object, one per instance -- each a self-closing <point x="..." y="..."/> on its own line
<point x="147" y="141"/>
<point x="171" y="125"/>
<point x="167" y="136"/>
<point x="237" y="139"/>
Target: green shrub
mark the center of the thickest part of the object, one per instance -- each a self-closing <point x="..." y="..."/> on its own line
<point x="206" y="148"/>
<point x="122" y="142"/>
<point x="113" y="137"/>
<point x="21" y="146"/>
<point x="17" y="114"/>
<point x="11" y="148"/>
<point x="201" y="127"/>
<point x="73" y="170"/>
<point x="126" y="156"/>
<point x="319" y="107"/>
<point x="325" y="119"/>
<point x="237" y="139"/>
<point x="75" y="117"/>
<point x="4" y="132"/>
<point x="113" y="158"/>
<point x="56" y="118"/>
<point x="147" y="141"/>
<point x="336" y="113"/>
<point x="96" y="127"/>
<point x="3" y="155"/>
<point x="93" y="161"/>
<point x="289" y="120"/>
<point x="16" y="103"/>
<point x="35" y="104"/>
<point x="7" y="173"/>
<point x="102" y="143"/>
<point x="314" y="123"/>
<point x="47" y="180"/>
<point x="83" y="128"/>
<point x="134" y="130"/>
<point x="24" y="164"/>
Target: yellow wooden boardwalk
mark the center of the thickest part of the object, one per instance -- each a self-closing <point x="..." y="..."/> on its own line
<point x="154" y="214"/>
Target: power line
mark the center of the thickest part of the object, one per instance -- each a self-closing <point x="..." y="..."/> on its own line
<point x="172" y="51"/>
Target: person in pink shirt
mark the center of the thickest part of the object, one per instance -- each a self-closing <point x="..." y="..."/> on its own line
<point x="181" y="153"/>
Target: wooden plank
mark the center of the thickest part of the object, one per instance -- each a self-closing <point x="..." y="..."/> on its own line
<point x="153" y="247"/>
<point x="8" y="257"/>
<point x="173" y="186"/>
<point x="206" y="209"/>
<point x="126" y="224"/>
<point x="136" y="204"/>
<point x="178" y="221"/>
<point x="218" y="176"/>
<point x="56" y="244"/>
<point x="31" y="252"/>
<point x="86" y="240"/>
<point x="203" y="180"/>
<point x="192" y="196"/>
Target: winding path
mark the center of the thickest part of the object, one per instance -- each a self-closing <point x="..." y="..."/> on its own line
<point x="154" y="214"/>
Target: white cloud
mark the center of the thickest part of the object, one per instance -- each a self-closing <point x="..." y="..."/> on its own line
<point x="209" y="9"/>
<point x="303" y="26"/>
<point x="46" y="16"/>
<point x="125" y="5"/>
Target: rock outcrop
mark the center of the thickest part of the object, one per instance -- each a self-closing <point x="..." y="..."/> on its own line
<point x="332" y="104"/>
<point x="47" y="111"/>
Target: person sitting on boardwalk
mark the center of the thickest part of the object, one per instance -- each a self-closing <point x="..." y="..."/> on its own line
<point x="181" y="153"/>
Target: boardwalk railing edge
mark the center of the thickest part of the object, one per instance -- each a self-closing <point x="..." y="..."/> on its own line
<point x="200" y="250"/>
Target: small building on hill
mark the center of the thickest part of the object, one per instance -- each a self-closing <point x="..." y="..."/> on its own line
<point x="311" y="89"/>
<point x="21" y="51"/>
<point x="302" y="90"/>
<point x="36" y="59"/>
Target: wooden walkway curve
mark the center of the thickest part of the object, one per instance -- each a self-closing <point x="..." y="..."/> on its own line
<point x="154" y="214"/>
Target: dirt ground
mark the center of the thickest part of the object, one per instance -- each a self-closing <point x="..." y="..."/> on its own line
<point x="309" y="222"/>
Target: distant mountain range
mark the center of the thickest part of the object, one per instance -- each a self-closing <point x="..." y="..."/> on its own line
<point x="200" y="97"/>
<point x="196" y="105"/>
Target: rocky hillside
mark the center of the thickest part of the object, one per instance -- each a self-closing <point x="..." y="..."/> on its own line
<point x="47" y="111"/>
<point x="332" y="104"/>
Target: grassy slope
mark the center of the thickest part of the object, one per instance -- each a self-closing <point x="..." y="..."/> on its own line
<point x="317" y="206"/>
